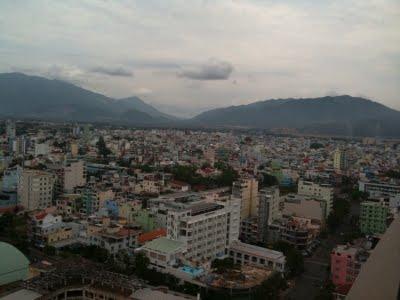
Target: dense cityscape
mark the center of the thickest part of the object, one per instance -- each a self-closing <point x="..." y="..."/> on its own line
<point x="91" y="211"/>
<point x="199" y="150"/>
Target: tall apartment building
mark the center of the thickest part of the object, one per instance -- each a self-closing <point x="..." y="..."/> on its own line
<point x="247" y="190"/>
<point x="35" y="189"/>
<point x="205" y="228"/>
<point x="323" y="192"/>
<point x="373" y="217"/>
<point x="340" y="160"/>
<point x="74" y="175"/>
<point x="10" y="130"/>
<point x="268" y="210"/>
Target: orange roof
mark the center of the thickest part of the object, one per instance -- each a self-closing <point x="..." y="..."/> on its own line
<point x="149" y="236"/>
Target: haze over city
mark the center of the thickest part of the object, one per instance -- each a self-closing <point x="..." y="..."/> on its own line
<point x="188" y="56"/>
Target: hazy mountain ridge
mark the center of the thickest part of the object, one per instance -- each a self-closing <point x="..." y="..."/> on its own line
<point x="23" y="96"/>
<point x="342" y="115"/>
<point x="37" y="97"/>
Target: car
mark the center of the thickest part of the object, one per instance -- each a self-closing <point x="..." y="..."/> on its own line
<point x="305" y="253"/>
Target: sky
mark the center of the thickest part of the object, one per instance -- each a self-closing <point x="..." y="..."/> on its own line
<point x="186" y="56"/>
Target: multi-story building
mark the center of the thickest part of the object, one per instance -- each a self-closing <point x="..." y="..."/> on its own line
<point x="205" y="228"/>
<point x="320" y="191"/>
<point x="74" y="175"/>
<point x="340" y="160"/>
<point x="268" y="210"/>
<point x="379" y="189"/>
<point x="303" y="206"/>
<point x="299" y="232"/>
<point x="373" y="217"/>
<point x="246" y="254"/>
<point x="93" y="199"/>
<point x="11" y="178"/>
<point x="47" y="229"/>
<point x="346" y="262"/>
<point x="41" y="149"/>
<point x="113" y="238"/>
<point x="35" y="189"/>
<point x="247" y="190"/>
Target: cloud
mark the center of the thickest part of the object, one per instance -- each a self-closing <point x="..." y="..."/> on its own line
<point x="112" y="71"/>
<point x="212" y="70"/>
<point x="67" y="73"/>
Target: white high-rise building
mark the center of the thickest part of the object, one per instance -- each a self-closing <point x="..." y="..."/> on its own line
<point x="35" y="189"/>
<point x="205" y="228"/>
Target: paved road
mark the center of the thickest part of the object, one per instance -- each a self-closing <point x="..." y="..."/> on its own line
<point x="315" y="274"/>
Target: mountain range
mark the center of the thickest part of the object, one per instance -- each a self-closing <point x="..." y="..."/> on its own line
<point x="36" y="97"/>
<point x="331" y="115"/>
<point x="23" y="96"/>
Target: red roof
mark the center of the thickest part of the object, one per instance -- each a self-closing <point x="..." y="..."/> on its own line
<point x="149" y="236"/>
<point x="41" y="215"/>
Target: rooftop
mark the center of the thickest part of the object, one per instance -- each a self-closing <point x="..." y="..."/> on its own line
<point x="164" y="245"/>
<point x="256" y="250"/>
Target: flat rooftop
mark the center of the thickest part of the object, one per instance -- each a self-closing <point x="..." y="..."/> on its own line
<point x="164" y="245"/>
<point x="256" y="250"/>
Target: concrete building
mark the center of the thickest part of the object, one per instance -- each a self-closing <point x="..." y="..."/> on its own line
<point x="340" y="160"/>
<point x="35" y="189"/>
<point x="373" y="217"/>
<point x="74" y="175"/>
<point x="41" y="149"/>
<point x="379" y="189"/>
<point x="204" y="228"/>
<point x="299" y="232"/>
<point x="246" y="254"/>
<point x="11" y="179"/>
<point x="247" y="190"/>
<point x="346" y="262"/>
<point x="322" y="192"/>
<point x="163" y="252"/>
<point x="268" y="210"/>
<point x="304" y="206"/>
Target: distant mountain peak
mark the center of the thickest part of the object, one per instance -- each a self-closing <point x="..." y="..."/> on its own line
<point x="341" y="115"/>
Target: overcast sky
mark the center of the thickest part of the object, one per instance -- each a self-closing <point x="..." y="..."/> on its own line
<point x="188" y="55"/>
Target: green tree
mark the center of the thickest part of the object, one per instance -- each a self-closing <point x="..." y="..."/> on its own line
<point x="141" y="264"/>
<point x="102" y="148"/>
<point x="294" y="259"/>
<point x="271" y="287"/>
<point x="222" y="265"/>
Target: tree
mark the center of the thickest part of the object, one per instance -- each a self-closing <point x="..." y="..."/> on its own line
<point x="222" y="265"/>
<point x="326" y="292"/>
<point x="102" y="148"/>
<point x="271" y="287"/>
<point x="141" y="264"/>
<point x="316" y="146"/>
<point x="294" y="259"/>
<point x="269" y="180"/>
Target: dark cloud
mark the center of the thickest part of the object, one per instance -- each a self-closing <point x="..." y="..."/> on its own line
<point x="112" y="71"/>
<point x="213" y="70"/>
